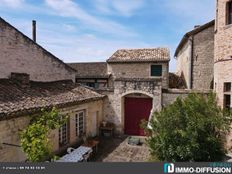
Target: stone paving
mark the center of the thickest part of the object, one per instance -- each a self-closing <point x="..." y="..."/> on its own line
<point x="118" y="150"/>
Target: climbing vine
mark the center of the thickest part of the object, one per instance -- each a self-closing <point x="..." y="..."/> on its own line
<point x="34" y="139"/>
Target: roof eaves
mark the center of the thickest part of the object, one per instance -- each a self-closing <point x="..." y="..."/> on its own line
<point x="190" y="33"/>
<point x="137" y="61"/>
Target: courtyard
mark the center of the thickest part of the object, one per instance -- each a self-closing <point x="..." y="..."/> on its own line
<point x="117" y="149"/>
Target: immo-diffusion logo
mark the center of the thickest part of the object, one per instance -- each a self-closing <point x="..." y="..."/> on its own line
<point x="169" y="168"/>
<point x="194" y="168"/>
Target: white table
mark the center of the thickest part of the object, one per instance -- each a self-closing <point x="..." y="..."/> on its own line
<point x="76" y="155"/>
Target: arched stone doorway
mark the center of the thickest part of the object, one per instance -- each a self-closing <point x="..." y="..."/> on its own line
<point x="135" y="107"/>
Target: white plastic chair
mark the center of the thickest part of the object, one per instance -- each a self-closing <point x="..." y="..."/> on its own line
<point x="70" y="149"/>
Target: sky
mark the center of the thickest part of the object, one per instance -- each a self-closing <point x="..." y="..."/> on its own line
<point x="92" y="30"/>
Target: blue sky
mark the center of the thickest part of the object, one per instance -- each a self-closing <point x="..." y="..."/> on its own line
<point x="92" y="30"/>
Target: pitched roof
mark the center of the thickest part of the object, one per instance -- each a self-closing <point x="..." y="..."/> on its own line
<point x="17" y="101"/>
<point x="140" y="55"/>
<point x="35" y="43"/>
<point x="191" y="33"/>
<point x="90" y="70"/>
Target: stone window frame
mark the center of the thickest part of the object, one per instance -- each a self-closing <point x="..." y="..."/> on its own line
<point x="161" y="71"/>
<point x="77" y="123"/>
<point x="227" y="105"/>
<point x="227" y="93"/>
<point x="227" y="86"/>
<point x="228" y="17"/>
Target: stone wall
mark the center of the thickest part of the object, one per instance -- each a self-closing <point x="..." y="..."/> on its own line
<point x="184" y="62"/>
<point x="113" y="110"/>
<point x="223" y="51"/>
<point x="9" y="133"/>
<point x="222" y="74"/>
<point x="137" y="70"/>
<point x="22" y="55"/>
<point x="170" y="95"/>
<point x="203" y="58"/>
<point x="9" y="130"/>
<point x="195" y="60"/>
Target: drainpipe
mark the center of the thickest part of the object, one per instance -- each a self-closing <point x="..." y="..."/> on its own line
<point x="190" y="63"/>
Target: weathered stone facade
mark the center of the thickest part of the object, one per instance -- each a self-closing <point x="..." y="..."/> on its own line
<point x="203" y="56"/>
<point x="169" y="96"/>
<point x="138" y="70"/>
<point x="184" y="64"/>
<point x="195" y="56"/>
<point x="22" y="55"/>
<point x="39" y="81"/>
<point x="223" y="51"/>
<point x="114" y="103"/>
<point x="133" y="79"/>
<point x="10" y="129"/>
<point x="223" y="56"/>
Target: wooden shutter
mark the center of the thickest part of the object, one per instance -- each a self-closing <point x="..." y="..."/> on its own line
<point x="156" y="70"/>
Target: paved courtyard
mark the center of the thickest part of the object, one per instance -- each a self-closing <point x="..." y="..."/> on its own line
<point x="118" y="150"/>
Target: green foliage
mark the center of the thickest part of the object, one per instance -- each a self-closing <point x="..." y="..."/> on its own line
<point x="34" y="139"/>
<point x="190" y="129"/>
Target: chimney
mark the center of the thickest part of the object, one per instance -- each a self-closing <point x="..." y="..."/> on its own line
<point x="21" y="79"/>
<point x="34" y="30"/>
<point x="196" y="26"/>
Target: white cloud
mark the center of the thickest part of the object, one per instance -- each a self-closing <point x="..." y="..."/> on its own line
<point x="85" y="48"/>
<point x="119" y="7"/>
<point x="127" y="7"/>
<point x="103" y="6"/>
<point x="69" y="27"/>
<point x="12" y="3"/>
<point x="69" y="8"/>
<point x="201" y="10"/>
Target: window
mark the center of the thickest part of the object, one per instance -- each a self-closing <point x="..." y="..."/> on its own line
<point x="229" y="13"/>
<point x="156" y="70"/>
<point x="227" y="101"/>
<point x="63" y="135"/>
<point x="227" y="87"/>
<point x="80" y="123"/>
<point x="91" y="84"/>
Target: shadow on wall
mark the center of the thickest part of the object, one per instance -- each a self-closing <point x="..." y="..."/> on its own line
<point x="110" y="113"/>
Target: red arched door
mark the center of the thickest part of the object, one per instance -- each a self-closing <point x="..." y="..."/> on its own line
<point x="136" y="109"/>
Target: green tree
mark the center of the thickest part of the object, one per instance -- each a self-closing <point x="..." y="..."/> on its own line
<point x="190" y="129"/>
<point x="34" y="139"/>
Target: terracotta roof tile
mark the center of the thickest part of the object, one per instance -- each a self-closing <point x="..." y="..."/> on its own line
<point x="140" y="55"/>
<point x="90" y="70"/>
<point x="15" y="101"/>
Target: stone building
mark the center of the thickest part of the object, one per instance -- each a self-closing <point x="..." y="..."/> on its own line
<point x="20" y="54"/>
<point x="136" y="78"/>
<point x="195" y="57"/>
<point x="223" y="56"/>
<point x="223" y="53"/>
<point x="19" y="101"/>
<point x="31" y="78"/>
<point x="138" y="84"/>
<point x="93" y="74"/>
<point x="139" y="75"/>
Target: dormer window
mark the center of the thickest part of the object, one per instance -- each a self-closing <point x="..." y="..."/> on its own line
<point x="156" y="70"/>
<point x="229" y="13"/>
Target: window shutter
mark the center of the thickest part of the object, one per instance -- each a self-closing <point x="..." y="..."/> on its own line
<point x="156" y="70"/>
